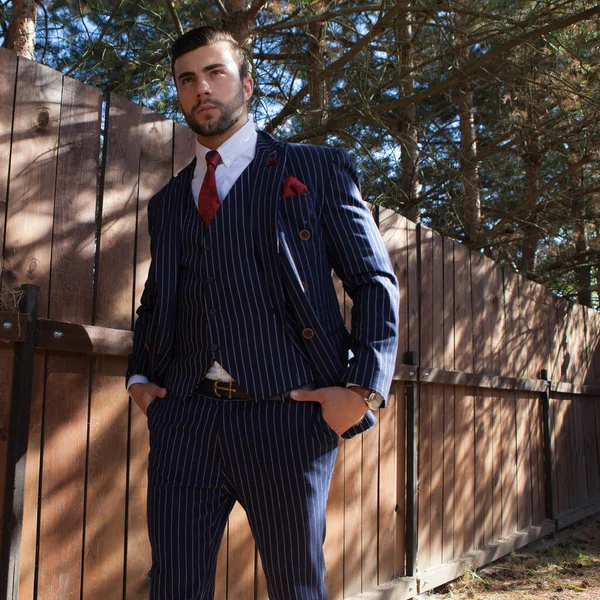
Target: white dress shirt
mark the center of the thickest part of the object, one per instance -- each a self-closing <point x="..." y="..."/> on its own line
<point x="236" y="154"/>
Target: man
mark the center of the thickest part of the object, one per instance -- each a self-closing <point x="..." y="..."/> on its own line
<point x="241" y="359"/>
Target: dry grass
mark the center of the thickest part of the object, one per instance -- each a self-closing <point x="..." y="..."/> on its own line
<point x="564" y="566"/>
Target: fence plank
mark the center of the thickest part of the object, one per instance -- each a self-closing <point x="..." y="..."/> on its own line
<point x="436" y="509"/>
<point x="6" y="375"/>
<point x="508" y="462"/>
<point x="8" y="74"/>
<point x="116" y="247"/>
<point x="449" y="484"/>
<point x="478" y="291"/>
<point x="352" y="516"/>
<point x="463" y="311"/>
<point x="184" y="147"/>
<point x="62" y="507"/>
<point x="104" y="551"/>
<point x="523" y="461"/>
<point x="334" y="540"/>
<point x="391" y="456"/>
<point x="32" y="482"/>
<point x="370" y="506"/>
<point x="424" y="452"/>
<point x="32" y="178"/>
<point x="465" y="475"/>
<point x="496" y="463"/>
<point x="28" y="235"/>
<point x="427" y="309"/>
<point x="483" y="470"/>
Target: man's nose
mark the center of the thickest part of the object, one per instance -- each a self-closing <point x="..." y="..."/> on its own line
<point x="203" y="89"/>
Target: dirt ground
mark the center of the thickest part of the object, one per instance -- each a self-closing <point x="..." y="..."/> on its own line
<point x="566" y="565"/>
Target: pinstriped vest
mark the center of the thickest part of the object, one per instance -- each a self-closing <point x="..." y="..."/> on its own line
<point x="224" y="311"/>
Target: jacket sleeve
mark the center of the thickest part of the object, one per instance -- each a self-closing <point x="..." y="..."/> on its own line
<point x="359" y="258"/>
<point x="139" y="359"/>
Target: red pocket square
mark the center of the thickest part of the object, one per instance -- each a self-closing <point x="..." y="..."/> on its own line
<point x="292" y="187"/>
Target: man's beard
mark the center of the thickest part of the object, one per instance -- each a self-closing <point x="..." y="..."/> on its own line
<point x="231" y="113"/>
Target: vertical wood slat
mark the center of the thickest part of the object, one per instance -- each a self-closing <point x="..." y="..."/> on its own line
<point x="436" y="509"/>
<point x="28" y="236"/>
<point x="390" y="488"/>
<point x="371" y="459"/>
<point x="8" y="73"/>
<point x="108" y="413"/>
<point x="508" y="462"/>
<point x="465" y="475"/>
<point x="424" y="453"/>
<point x="352" y="515"/>
<point x="334" y="540"/>
<point x="63" y="475"/>
<point x="392" y="455"/>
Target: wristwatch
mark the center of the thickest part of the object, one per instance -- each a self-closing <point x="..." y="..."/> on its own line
<point x="374" y="400"/>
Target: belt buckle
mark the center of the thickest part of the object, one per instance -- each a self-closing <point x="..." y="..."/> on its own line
<point x="223" y="386"/>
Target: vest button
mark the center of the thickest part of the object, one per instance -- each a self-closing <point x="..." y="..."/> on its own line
<point x="210" y="279"/>
<point x="214" y="347"/>
<point x="308" y="333"/>
<point x="213" y="311"/>
<point x="305" y="235"/>
<point x="207" y="246"/>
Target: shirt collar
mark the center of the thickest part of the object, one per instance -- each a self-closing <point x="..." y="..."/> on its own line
<point x="240" y="143"/>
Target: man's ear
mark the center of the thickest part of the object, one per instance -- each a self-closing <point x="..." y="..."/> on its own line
<point x="248" y="88"/>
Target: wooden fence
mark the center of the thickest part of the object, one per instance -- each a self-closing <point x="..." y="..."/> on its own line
<point x="476" y="455"/>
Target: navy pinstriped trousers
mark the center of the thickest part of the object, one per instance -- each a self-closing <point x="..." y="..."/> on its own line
<point x="275" y="458"/>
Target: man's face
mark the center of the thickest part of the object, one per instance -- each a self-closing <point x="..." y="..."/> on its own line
<point x="211" y="95"/>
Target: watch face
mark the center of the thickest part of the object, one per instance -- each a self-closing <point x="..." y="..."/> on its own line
<point x="375" y="400"/>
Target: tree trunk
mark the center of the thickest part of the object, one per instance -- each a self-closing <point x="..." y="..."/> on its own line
<point x="469" y="169"/>
<point x="21" y="32"/>
<point x="531" y="234"/>
<point x="407" y="117"/>
<point x="316" y="85"/>
<point x="583" y="275"/>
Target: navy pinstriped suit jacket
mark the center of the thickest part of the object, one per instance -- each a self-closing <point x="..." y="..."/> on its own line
<point x="343" y="236"/>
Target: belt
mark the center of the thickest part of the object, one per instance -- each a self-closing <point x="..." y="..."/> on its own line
<point x="230" y="390"/>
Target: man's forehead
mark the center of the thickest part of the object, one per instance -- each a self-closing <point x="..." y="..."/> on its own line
<point x="219" y="53"/>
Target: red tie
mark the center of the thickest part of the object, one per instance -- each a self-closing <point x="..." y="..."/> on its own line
<point x="208" y="199"/>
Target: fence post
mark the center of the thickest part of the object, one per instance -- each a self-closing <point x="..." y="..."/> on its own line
<point x="548" y="453"/>
<point x="412" y="520"/>
<point x="18" y="435"/>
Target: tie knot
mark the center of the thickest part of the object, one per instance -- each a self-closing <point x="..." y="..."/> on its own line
<point x="213" y="159"/>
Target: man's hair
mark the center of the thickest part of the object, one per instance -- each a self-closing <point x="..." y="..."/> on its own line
<point x="206" y="36"/>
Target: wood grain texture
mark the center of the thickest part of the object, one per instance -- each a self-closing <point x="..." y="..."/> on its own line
<point x="334" y="540"/>
<point x="8" y="74"/>
<point x="32" y="179"/>
<point x="352" y="516"/>
<point x="390" y="488"/>
<point x="116" y="247"/>
<point x="104" y="550"/>
<point x="63" y="477"/>
<point x="32" y="483"/>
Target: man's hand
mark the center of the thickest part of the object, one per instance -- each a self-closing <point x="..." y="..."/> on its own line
<point x="342" y="408"/>
<point x="144" y="393"/>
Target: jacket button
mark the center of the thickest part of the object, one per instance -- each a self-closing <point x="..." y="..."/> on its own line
<point x="305" y="235"/>
<point x="146" y="347"/>
<point x="308" y="333"/>
<point x="304" y="286"/>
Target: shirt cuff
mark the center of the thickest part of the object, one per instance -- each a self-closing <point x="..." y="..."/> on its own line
<point x="136" y="379"/>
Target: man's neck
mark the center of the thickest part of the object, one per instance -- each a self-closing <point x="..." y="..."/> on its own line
<point x="213" y="142"/>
